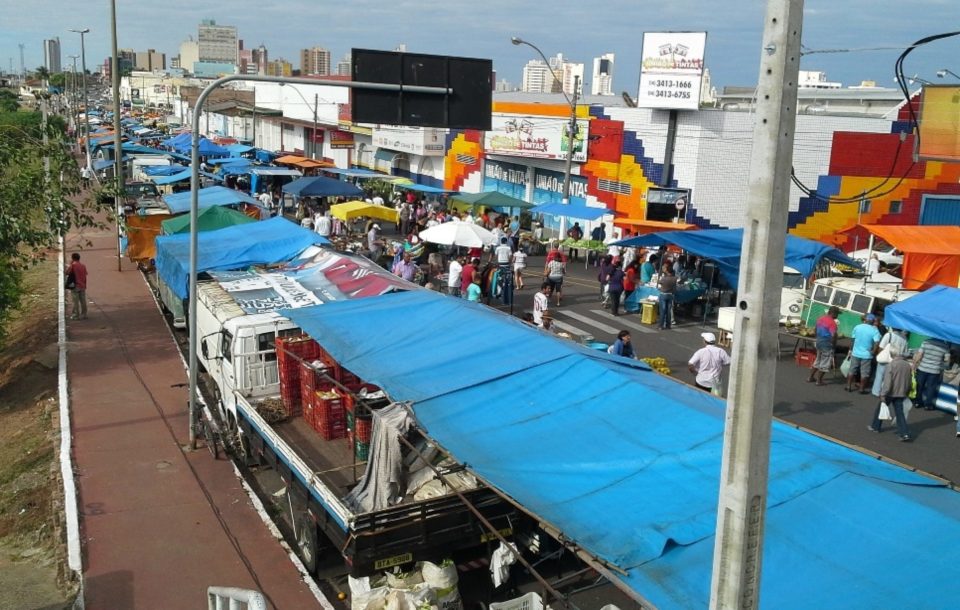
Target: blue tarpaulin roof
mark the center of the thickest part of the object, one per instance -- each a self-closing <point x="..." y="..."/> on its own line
<point x="239" y="149"/>
<point x="934" y="313"/>
<point x="626" y="462"/>
<point x="356" y="172"/>
<point x="230" y="161"/>
<point x="177" y="140"/>
<point x="183" y="174"/>
<point x="570" y="210"/>
<point x="319" y="186"/>
<point x="130" y="147"/>
<point x="205" y="147"/>
<point x="178" y="203"/>
<point x="238" y="247"/>
<point x="724" y="246"/>
<point x="423" y="188"/>
<point x="162" y="170"/>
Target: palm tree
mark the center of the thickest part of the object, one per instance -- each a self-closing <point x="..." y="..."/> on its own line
<point x="42" y="73"/>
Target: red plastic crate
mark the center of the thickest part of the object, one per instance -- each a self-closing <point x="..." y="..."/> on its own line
<point x="363" y="430"/>
<point x="290" y="352"/>
<point x="805" y="357"/>
<point x="330" y="415"/>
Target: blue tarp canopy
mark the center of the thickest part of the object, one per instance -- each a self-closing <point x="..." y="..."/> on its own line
<point x="319" y="186"/>
<point x="570" y="210"/>
<point x="275" y="240"/>
<point x="130" y="147"/>
<point x="422" y="188"/>
<point x="239" y="149"/>
<point x="178" y="203"/>
<point x="99" y="164"/>
<point x="163" y="170"/>
<point x="934" y="312"/>
<point x="183" y="174"/>
<point x="263" y="170"/>
<point x="206" y="148"/>
<point x="265" y="156"/>
<point x="230" y="161"/>
<point x="626" y="462"/>
<point x="178" y="140"/>
<point x="356" y="172"/>
<point x="724" y="246"/>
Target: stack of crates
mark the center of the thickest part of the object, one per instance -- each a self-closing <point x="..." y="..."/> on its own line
<point x="311" y="380"/>
<point x="360" y="438"/>
<point x="290" y="352"/>
<point x="330" y="413"/>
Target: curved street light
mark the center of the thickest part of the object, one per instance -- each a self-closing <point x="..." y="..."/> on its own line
<point x="944" y="71"/>
<point x="571" y="127"/>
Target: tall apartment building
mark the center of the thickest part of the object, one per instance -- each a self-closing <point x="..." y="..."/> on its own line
<point x="602" y="81"/>
<point x="315" y="60"/>
<point x="150" y="60"/>
<point x="217" y="43"/>
<point x="260" y="59"/>
<point x="51" y="55"/>
<point x="344" y="65"/>
<point x="572" y="76"/>
<point x="536" y="77"/>
<point x="189" y="54"/>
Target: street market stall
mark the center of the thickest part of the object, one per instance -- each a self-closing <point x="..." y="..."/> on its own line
<point x="931" y="253"/>
<point x="361" y="209"/>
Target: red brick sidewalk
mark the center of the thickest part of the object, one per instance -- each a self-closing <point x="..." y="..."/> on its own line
<point x="158" y="524"/>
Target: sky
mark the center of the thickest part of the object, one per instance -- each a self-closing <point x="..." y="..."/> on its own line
<point x="580" y="30"/>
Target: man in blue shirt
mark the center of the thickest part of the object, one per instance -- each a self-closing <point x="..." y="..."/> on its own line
<point x="865" y="337"/>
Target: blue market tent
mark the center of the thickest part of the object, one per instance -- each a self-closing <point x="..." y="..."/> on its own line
<point x="206" y="148"/>
<point x="239" y="149"/>
<point x="934" y="313"/>
<point x="318" y="186"/>
<point x="258" y="243"/>
<point x="724" y="247"/>
<point x="571" y="210"/>
<point x="422" y="188"/>
<point x="182" y="175"/>
<point x="626" y="463"/>
<point x="178" y="140"/>
<point x="178" y="203"/>
<point x="356" y="172"/>
<point x="163" y="170"/>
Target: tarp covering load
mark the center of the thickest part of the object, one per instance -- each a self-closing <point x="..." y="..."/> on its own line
<point x="934" y="313"/>
<point x="321" y="277"/>
<point x="931" y="254"/>
<point x="724" y="246"/>
<point x="209" y="219"/>
<point x="178" y="203"/>
<point x="626" y="462"/>
<point x="259" y="243"/>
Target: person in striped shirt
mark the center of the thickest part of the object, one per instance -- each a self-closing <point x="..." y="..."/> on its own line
<point x="929" y="362"/>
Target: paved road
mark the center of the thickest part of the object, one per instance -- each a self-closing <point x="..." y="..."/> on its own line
<point x="828" y="410"/>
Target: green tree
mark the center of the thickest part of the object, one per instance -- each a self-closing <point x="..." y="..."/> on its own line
<point x="42" y="73"/>
<point x="58" y="80"/>
<point x="8" y="101"/>
<point x="36" y="206"/>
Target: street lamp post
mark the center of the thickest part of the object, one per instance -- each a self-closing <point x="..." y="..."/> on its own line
<point x="571" y="127"/>
<point x="86" y="104"/>
<point x="941" y="73"/>
<point x="74" y="106"/>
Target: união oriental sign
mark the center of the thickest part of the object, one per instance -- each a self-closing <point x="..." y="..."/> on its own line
<point x="535" y="137"/>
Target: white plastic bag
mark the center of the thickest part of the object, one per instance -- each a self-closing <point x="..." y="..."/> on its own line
<point x="907" y="405"/>
<point x="443" y="580"/>
<point x="885" y="414"/>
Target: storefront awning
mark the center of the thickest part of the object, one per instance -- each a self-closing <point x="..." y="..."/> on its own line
<point x="642" y="226"/>
<point x="571" y="210"/>
<point x="387" y="155"/>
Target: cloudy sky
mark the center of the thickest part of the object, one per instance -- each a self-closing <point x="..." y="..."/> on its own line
<point x="580" y="30"/>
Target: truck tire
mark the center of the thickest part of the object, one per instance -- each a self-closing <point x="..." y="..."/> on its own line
<point x="307" y="546"/>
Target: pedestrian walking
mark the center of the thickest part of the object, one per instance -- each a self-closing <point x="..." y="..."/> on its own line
<point x="929" y="362"/>
<point x="606" y="264"/>
<point x="473" y="290"/>
<point x="86" y="175"/>
<point x="76" y="283"/>
<point x="541" y="302"/>
<point x="453" y="276"/>
<point x="825" y="331"/>
<point x="668" y="289"/>
<point x="865" y="339"/>
<point x="615" y="287"/>
<point x="897" y="380"/>
<point x="519" y="264"/>
<point x="893" y="338"/>
<point x="554" y="272"/>
<point x="503" y="255"/>
<point x="707" y="364"/>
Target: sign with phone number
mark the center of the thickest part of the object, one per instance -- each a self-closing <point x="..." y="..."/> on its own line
<point x="676" y="92"/>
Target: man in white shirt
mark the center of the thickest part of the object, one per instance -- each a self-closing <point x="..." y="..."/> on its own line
<point x="453" y="276"/>
<point x="707" y="364"/>
<point x="323" y="224"/>
<point x="265" y="199"/>
<point x="377" y="200"/>
<point x="541" y="302"/>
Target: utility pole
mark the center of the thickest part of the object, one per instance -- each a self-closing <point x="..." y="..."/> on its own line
<point x="313" y="146"/>
<point x="741" y="511"/>
<point x="86" y="101"/>
<point x="23" y="69"/>
<point x="117" y="138"/>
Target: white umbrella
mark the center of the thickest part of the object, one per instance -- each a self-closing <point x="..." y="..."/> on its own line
<point x="463" y="234"/>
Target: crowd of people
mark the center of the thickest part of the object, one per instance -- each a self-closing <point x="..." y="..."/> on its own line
<point x="880" y="364"/>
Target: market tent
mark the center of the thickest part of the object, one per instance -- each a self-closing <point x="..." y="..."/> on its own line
<point x="643" y="496"/>
<point x="205" y="148"/>
<point x="491" y="199"/>
<point x="359" y="209"/>
<point x="209" y="219"/>
<point x="571" y="210"/>
<point x="178" y="140"/>
<point x="302" y="162"/>
<point x="931" y="253"/>
<point x="230" y="161"/>
<point x="356" y="172"/>
<point x="238" y="247"/>
<point x="178" y="203"/>
<point x="183" y="175"/>
<point x="724" y="246"/>
<point x="465" y="234"/>
<point x="239" y="149"/>
<point x="261" y="170"/>
<point x="934" y="313"/>
<point x="319" y="186"/>
<point x="420" y="188"/>
<point x="162" y="170"/>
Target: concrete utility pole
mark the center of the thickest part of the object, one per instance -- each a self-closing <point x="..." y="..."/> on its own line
<point x="738" y="550"/>
<point x="117" y="136"/>
<point x="86" y="101"/>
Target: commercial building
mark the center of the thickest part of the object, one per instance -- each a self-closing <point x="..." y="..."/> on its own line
<point x="279" y="67"/>
<point x="149" y="61"/>
<point x="343" y="66"/>
<point x="259" y="57"/>
<point x="51" y="55"/>
<point x="536" y="77"/>
<point x="217" y="43"/>
<point x="601" y="82"/>
<point x="315" y="61"/>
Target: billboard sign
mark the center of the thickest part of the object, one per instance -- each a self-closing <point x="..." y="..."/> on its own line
<point x="671" y="70"/>
<point x="422" y="141"/>
<point x="535" y="136"/>
<point x="939" y="135"/>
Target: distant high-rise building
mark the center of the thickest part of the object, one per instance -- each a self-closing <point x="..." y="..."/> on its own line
<point x="602" y="81"/>
<point x="150" y="60"/>
<point x="279" y="67"/>
<point x="537" y="77"/>
<point x="343" y="66"/>
<point x="259" y="56"/>
<point x="189" y="54"/>
<point x="217" y="43"/>
<point x="315" y="61"/>
<point x="572" y="73"/>
<point x="504" y="85"/>
<point x="51" y="55"/>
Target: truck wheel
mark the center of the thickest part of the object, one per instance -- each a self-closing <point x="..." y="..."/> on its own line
<point x="307" y="542"/>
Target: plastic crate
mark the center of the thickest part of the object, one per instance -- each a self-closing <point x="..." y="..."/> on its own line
<point x="330" y="415"/>
<point x="530" y="601"/>
<point x="805" y="357"/>
<point x="361" y="450"/>
<point x="363" y="429"/>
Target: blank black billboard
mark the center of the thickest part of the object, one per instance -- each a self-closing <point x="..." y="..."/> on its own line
<point x="467" y="107"/>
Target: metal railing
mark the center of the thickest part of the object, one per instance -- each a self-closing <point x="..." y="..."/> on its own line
<point x="233" y="598"/>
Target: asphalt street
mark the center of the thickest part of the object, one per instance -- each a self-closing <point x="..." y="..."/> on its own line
<point x="827" y="410"/>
